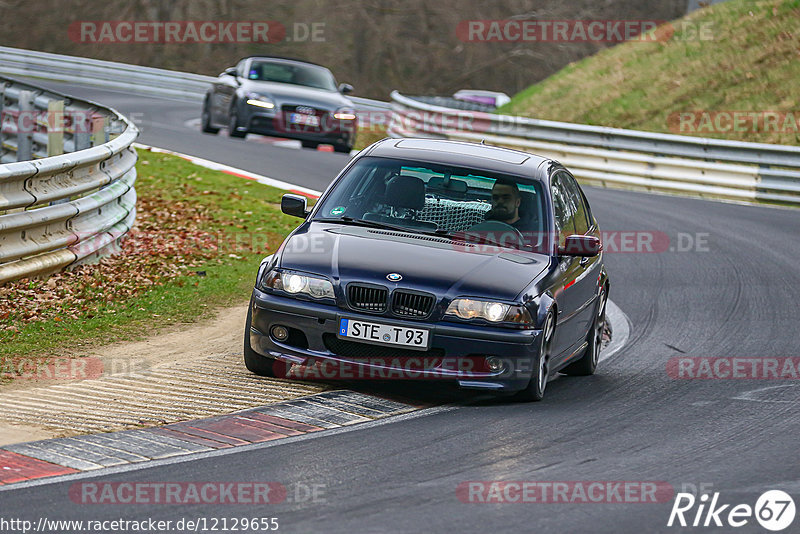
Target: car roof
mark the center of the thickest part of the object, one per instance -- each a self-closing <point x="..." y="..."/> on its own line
<point x="284" y="60"/>
<point x="461" y="154"/>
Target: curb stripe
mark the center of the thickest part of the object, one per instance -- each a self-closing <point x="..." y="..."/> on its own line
<point x="280" y="421"/>
<point x="230" y="426"/>
<point x="283" y="420"/>
<point x="189" y="428"/>
<point x="17" y="468"/>
<point x="269" y="426"/>
<point x="173" y="433"/>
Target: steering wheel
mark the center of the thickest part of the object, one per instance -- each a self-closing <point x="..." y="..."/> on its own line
<point x="499" y="232"/>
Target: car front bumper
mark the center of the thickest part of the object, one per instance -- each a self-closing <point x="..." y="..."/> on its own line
<point x="456" y="352"/>
<point x="271" y="124"/>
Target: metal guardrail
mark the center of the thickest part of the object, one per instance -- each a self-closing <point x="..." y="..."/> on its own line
<point x="67" y="173"/>
<point x="617" y="157"/>
<point x="129" y="78"/>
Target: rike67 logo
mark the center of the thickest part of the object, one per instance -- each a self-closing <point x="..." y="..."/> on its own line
<point x="774" y="510"/>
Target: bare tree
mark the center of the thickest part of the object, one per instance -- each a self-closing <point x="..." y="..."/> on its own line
<point x="377" y="45"/>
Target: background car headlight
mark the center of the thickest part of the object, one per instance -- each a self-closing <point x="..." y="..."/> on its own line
<point x="491" y="311"/>
<point x="294" y="283"/>
<point x="255" y="99"/>
<point x="345" y="114"/>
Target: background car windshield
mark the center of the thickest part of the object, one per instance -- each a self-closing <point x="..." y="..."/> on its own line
<point x="428" y="197"/>
<point x="294" y="73"/>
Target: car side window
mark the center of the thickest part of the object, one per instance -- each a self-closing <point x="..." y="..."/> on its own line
<point x="577" y="201"/>
<point x="563" y="209"/>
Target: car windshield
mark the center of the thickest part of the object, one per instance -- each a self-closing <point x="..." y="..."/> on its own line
<point x="430" y="198"/>
<point x="293" y="73"/>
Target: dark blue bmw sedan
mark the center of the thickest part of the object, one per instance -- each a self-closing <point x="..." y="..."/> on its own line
<point x="434" y="259"/>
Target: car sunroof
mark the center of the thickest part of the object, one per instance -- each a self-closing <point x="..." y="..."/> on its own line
<point x="497" y="154"/>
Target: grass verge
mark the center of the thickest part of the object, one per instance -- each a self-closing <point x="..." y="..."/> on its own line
<point x="737" y="56"/>
<point x="367" y="136"/>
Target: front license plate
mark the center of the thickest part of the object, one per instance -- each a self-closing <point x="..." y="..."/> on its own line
<point x="309" y="120"/>
<point x="384" y="334"/>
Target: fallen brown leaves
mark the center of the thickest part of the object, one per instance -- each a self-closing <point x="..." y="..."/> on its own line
<point x="166" y="243"/>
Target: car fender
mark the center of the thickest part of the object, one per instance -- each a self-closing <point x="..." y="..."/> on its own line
<point x="266" y="264"/>
<point x="546" y="303"/>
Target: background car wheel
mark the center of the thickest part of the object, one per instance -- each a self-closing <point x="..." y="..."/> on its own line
<point x="587" y="365"/>
<point x="205" y="120"/>
<point x="343" y="148"/>
<point x="255" y="363"/>
<point x="233" y="125"/>
<point x="535" y="390"/>
<point x="309" y="144"/>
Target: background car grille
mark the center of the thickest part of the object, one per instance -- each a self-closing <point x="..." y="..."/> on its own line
<point x="303" y="110"/>
<point x="361" y="351"/>
<point x="367" y="298"/>
<point x="408" y="304"/>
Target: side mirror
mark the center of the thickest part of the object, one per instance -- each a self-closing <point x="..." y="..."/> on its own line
<point x="581" y="245"/>
<point x="230" y="71"/>
<point x="294" y="205"/>
<point x="345" y="88"/>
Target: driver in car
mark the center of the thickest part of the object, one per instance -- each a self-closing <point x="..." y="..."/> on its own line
<point x="505" y="205"/>
<point x="506" y="202"/>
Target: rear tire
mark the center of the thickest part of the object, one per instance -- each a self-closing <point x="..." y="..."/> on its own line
<point x="535" y="390"/>
<point x="587" y="365"/>
<point x="255" y="363"/>
<point x="205" y="120"/>
<point x="233" y="125"/>
<point x="342" y="148"/>
<point x="309" y="144"/>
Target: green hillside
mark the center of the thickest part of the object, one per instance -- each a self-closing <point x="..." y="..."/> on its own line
<point x="739" y="56"/>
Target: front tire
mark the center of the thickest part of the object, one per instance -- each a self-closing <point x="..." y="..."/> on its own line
<point x="233" y="124"/>
<point x="535" y="390"/>
<point x="205" y="120"/>
<point x="309" y="144"/>
<point x="587" y="365"/>
<point x="255" y="363"/>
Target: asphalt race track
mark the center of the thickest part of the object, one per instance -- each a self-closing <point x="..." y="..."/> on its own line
<point x="736" y="296"/>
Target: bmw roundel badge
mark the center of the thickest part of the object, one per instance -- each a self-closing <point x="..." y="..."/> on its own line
<point x="394" y="277"/>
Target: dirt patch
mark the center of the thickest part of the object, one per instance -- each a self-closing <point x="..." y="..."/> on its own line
<point x="20" y="433"/>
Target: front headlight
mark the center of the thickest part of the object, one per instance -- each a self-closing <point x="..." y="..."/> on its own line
<point x="345" y="114"/>
<point x="494" y="312"/>
<point x="255" y="99"/>
<point x="295" y="283"/>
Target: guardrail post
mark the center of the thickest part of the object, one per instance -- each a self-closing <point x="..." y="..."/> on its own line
<point x="82" y="130"/>
<point x="55" y="134"/>
<point x="25" y="123"/>
<point x="2" y="101"/>
<point x="99" y="130"/>
<point x="55" y="128"/>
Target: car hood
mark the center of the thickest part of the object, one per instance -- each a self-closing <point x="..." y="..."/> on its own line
<point x="426" y="263"/>
<point x="297" y="95"/>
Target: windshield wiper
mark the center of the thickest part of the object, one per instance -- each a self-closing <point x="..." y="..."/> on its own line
<point x="465" y="236"/>
<point x="471" y="237"/>
<point x="371" y="224"/>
